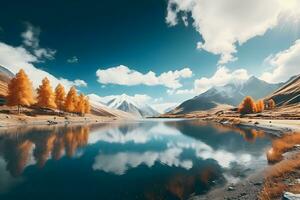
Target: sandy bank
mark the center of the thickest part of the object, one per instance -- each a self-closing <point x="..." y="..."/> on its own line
<point x="10" y="120"/>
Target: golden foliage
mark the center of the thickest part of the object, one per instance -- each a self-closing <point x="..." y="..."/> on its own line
<point x="260" y="106"/>
<point x="87" y="107"/>
<point x="247" y="106"/>
<point x="271" y="104"/>
<point x="60" y="96"/>
<point x="71" y="100"/>
<point x="20" y="92"/>
<point x="45" y="95"/>
<point x="80" y="108"/>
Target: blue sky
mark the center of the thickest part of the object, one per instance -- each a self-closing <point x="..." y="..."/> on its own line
<point x="71" y="40"/>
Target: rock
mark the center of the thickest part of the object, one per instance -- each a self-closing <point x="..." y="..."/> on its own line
<point x="291" y="196"/>
<point x="257" y="183"/>
<point x="230" y="188"/>
<point x="243" y="194"/>
<point x="256" y="122"/>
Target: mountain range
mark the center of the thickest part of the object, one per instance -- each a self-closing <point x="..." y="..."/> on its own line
<point x="230" y="94"/>
<point x="128" y="104"/>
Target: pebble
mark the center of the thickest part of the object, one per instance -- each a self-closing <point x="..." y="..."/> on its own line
<point x="257" y="183"/>
<point x="230" y="188"/>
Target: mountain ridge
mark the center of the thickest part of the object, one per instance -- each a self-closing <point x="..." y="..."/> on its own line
<point x="230" y="94"/>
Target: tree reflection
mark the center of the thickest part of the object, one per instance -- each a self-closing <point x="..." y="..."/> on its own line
<point x="46" y="143"/>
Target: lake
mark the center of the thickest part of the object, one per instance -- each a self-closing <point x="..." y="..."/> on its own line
<point x="151" y="159"/>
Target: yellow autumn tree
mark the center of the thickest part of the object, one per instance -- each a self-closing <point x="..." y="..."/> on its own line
<point x="87" y="107"/>
<point x="271" y="104"/>
<point x="260" y="106"/>
<point x="45" y="95"/>
<point x="60" y="96"/>
<point x="80" y="108"/>
<point x="247" y="106"/>
<point x="20" y="92"/>
<point x="71" y="100"/>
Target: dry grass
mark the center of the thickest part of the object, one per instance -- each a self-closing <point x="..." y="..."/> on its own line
<point x="276" y="176"/>
<point x="282" y="145"/>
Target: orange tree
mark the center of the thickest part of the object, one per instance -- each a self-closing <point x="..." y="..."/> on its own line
<point x="45" y="95"/>
<point x="20" y="92"/>
<point x="247" y="106"/>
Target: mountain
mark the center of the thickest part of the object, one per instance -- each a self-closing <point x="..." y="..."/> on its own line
<point x="230" y="94"/>
<point x="5" y="76"/>
<point x="128" y="104"/>
<point x="288" y="94"/>
<point x="100" y="109"/>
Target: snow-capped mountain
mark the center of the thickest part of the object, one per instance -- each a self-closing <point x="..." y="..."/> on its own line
<point x="230" y="94"/>
<point x="128" y="104"/>
<point x="99" y="108"/>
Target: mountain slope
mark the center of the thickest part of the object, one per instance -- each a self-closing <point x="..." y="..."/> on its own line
<point x="288" y="94"/>
<point x="5" y="76"/>
<point x="230" y="94"/>
<point x="129" y="105"/>
<point x="100" y="109"/>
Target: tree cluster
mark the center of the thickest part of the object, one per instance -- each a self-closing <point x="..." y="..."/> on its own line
<point x="20" y="93"/>
<point x="248" y="105"/>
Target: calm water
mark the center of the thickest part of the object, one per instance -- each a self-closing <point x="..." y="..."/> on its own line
<point x="139" y="160"/>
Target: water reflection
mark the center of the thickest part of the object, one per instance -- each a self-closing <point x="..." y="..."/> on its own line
<point x="142" y="160"/>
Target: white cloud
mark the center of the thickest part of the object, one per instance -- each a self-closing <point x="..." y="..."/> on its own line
<point x="139" y="98"/>
<point x="31" y="40"/>
<point x="16" y="58"/>
<point x="122" y="75"/>
<point x="285" y="64"/>
<point x="224" y="24"/>
<point x="74" y="59"/>
<point x="221" y="77"/>
<point x="134" y="133"/>
<point x="119" y="163"/>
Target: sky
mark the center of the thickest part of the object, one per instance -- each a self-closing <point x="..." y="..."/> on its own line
<point x="160" y="52"/>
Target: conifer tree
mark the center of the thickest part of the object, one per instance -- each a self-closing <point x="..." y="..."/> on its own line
<point x="71" y="100"/>
<point x="271" y="104"/>
<point x="87" y="107"/>
<point x="247" y="106"/>
<point x="60" y="96"/>
<point x="45" y="95"/>
<point x="20" y="92"/>
<point x="80" y="108"/>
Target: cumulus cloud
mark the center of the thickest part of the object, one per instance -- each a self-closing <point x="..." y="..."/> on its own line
<point x="123" y="75"/>
<point x="119" y="163"/>
<point x="133" y="133"/>
<point x="139" y="98"/>
<point x="284" y="64"/>
<point x="224" y="24"/>
<point x="31" y="40"/>
<point x="74" y="59"/>
<point x="221" y="77"/>
<point x="15" y="58"/>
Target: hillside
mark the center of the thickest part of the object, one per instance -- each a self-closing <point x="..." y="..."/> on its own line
<point x="99" y="109"/>
<point x="288" y="94"/>
<point x="230" y="94"/>
<point x="5" y="76"/>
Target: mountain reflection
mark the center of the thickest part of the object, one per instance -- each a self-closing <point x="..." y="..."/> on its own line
<point x="138" y="160"/>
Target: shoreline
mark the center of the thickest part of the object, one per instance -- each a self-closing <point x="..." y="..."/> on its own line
<point x="8" y="121"/>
